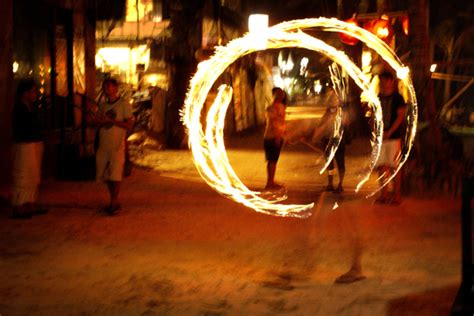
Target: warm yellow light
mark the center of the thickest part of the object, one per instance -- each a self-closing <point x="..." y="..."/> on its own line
<point x="208" y="146"/>
<point x="152" y="79"/>
<point x="366" y="58"/>
<point x="317" y="86"/>
<point x="433" y="67"/>
<point x="402" y="73"/>
<point x="123" y="59"/>
<point x="145" y="7"/>
<point x="16" y="65"/>
<point x="258" y="23"/>
<point x="258" y="27"/>
<point x="382" y="32"/>
<point x="304" y="62"/>
<point x="155" y="79"/>
<point x="113" y="56"/>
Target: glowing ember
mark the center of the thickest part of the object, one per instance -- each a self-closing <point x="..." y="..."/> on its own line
<point x="208" y="146"/>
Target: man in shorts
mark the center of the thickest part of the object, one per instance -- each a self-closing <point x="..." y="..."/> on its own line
<point x="394" y="109"/>
<point x="274" y="135"/>
<point x="114" y="118"/>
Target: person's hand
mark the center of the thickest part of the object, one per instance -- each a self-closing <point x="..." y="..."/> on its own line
<point x="108" y="122"/>
<point x="104" y="120"/>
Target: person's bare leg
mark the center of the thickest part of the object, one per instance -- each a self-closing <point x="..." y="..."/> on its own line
<point x="271" y="170"/>
<point x="355" y="272"/>
<point x="351" y="227"/>
<point x="114" y="190"/>
<point x="339" y="188"/>
<point x="397" y="186"/>
<point x="384" y="193"/>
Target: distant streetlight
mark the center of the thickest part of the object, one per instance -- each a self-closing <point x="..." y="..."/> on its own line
<point x="15" y="66"/>
<point x="258" y="26"/>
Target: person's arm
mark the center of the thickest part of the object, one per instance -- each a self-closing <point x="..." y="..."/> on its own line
<point x="94" y="117"/>
<point x="271" y="117"/>
<point x="125" y="124"/>
<point x="128" y="121"/>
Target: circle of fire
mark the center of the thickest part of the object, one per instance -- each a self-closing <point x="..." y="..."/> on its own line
<point x="207" y="145"/>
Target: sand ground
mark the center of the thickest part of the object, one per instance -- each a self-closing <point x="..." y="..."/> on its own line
<point x="179" y="248"/>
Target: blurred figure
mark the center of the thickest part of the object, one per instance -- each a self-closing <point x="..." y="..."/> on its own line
<point x="394" y="109"/>
<point x="325" y="131"/>
<point x="27" y="152"/>
<point x="114" y="118"/>
<point x="274" y="135"/>
<point x="349" y="214"/>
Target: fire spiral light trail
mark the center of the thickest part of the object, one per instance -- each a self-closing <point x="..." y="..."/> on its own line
<point x="207" y="145"/>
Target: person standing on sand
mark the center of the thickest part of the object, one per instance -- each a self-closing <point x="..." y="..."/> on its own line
<point x="325" y="130"/>
<point x="393" y="109"/>
<point x="114" y="118"/>
<point x="27" y="152"/>
<point x="274" y="135"/>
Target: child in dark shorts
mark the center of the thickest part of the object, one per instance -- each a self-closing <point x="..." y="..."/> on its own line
<point x="272" y="149"/>
<point x="274" y="135"/>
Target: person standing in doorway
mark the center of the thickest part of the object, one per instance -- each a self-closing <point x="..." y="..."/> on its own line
<point x="274" y="135"/>
<point x="114" y="118"/>
<point x="27" y="152"/>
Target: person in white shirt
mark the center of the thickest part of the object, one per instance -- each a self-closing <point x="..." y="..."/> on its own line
<point x="114" y="118"/>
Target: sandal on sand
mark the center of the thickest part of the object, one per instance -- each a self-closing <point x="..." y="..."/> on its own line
<point x="339" y="189"/>
<point x="40" y="211"/>
<point x="114" y="209"/>
<point x="395" y="201"/>
<point x="349" y="277"/>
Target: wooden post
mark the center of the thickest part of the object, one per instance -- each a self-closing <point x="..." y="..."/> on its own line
<point x="89" y="57"/>
<point x="420" y="64"/>
<point x="6" y="89"/>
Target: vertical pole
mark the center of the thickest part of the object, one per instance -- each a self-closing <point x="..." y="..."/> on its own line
<point x="6" y="89"/>
<point x="420" y="49"/>
<point x="138" y="22"/>
<point x="466" y="233"/>
<point x="70" y="67"/>
<point x="89" y="54"/>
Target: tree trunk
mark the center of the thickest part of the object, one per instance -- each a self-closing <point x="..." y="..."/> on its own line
<point x="420" y="56"/>
<point x="186" y="37"/>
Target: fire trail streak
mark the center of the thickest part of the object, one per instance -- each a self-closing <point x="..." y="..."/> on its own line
<point x="208" y="147"/>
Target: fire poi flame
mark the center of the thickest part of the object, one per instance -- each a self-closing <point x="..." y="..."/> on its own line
<point x="208" y="147"/>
